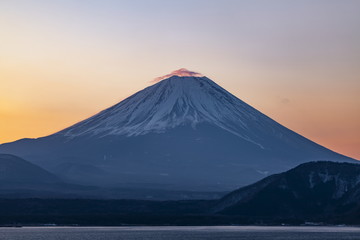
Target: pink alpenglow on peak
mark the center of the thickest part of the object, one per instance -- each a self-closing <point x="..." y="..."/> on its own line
<point x="182" y="72"/>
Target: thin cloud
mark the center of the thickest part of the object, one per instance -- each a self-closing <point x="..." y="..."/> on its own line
<point x="182" y="72"/>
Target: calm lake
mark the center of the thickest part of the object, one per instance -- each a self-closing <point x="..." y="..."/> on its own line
<point x="179" y="233"/>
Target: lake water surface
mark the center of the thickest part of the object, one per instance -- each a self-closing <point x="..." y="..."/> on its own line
<point x="180" y="233"/>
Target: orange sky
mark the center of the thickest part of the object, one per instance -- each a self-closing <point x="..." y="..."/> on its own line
<point x="62" y="61"/>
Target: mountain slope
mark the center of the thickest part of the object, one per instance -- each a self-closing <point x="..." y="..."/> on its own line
<point x="182" y="133"/>
<point x="14" y="170"/>
<point x="316" y="190"/>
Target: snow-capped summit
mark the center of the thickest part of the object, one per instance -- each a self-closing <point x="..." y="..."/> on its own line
<point x="185" y="132"/>
<point x="170" y="103"/>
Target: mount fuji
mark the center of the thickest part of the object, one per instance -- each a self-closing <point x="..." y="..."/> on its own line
<point x="185" y="132"/>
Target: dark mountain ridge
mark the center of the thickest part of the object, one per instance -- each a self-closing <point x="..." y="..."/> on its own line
<point x="15" y="170"/>
<point x="313" y="190"/>
<point x="21" y="179"/>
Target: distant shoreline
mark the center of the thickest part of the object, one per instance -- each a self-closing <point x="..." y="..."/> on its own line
<point x="200" y="227"/>
<point x="324" y="228"/>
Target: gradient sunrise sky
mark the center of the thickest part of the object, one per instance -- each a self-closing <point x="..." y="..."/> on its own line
<point x="297" y="61"/>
